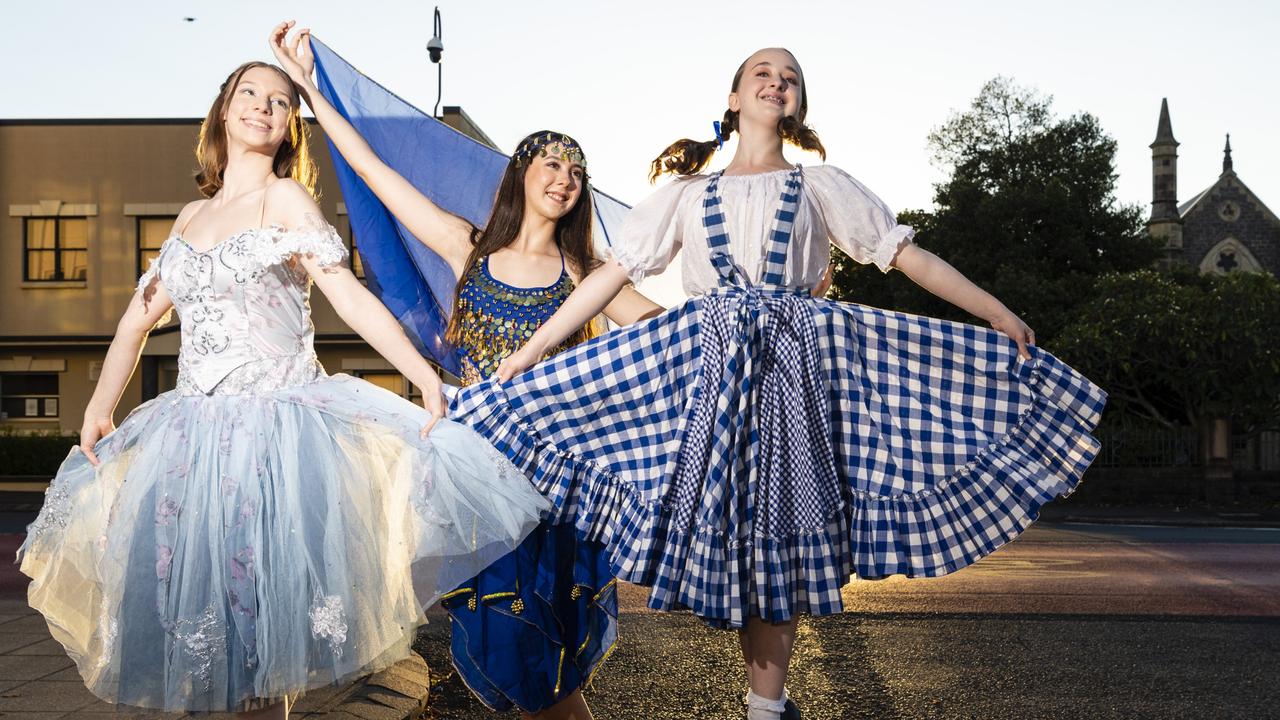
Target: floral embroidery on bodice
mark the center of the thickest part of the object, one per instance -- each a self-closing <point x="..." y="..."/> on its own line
<point x="245" y="307"/>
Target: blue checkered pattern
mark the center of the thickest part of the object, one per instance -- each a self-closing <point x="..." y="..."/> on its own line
<point x="747" y="452"/>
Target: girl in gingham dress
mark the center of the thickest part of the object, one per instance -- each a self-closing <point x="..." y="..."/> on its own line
<point x="748" y="452"/>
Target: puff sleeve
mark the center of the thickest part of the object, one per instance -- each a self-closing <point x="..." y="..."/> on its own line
<point x="653" y="232"/>
<point x="858" y="222"/>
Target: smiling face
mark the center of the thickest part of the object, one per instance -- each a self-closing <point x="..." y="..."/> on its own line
<point x="258" y="109"/>
<point x="769" y="86"/>
<point x="553" y="181"/>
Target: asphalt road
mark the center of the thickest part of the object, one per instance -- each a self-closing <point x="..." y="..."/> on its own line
<point x="1069" y="621"/>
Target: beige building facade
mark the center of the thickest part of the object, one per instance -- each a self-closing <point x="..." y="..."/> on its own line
<point x="86" y="205"/>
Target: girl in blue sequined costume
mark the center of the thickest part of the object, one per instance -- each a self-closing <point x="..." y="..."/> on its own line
<point x="264" y="528"/>
<point x="746" y="453"/>
<point x="530" y="630"/>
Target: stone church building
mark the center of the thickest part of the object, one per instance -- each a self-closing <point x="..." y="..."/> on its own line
<point x="1221" y="229"/>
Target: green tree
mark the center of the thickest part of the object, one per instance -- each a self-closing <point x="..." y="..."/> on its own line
<point x="1029" y="213"/>
<point x="1180" y="348"/>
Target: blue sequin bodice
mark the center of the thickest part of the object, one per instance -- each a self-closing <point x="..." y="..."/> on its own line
<point x="495" y="319"/>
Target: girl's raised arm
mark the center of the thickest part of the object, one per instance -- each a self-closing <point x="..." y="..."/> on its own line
<point x="938" y="277"/>
<point x="448" y="235"/>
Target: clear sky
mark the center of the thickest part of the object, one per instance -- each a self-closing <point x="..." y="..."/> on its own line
<point x="628" y="78"/>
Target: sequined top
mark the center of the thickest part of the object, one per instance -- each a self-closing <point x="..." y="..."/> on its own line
<point x="495" y="319"/>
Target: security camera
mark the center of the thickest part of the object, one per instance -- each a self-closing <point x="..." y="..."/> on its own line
<point x="435" y="48"/>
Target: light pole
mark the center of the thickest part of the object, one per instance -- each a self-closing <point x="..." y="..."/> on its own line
<point x="435" y="48"/>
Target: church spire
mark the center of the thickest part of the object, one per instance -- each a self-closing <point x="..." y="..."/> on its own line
<point x="1227" y="166"/>
<point x="1164" y="132"/>
<point x="1165" y="224"/>
<point x="1164" y="170"/>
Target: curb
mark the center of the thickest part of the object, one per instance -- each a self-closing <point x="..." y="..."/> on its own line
<point x="396" y="693"/>
<point x="1187" y="522"/>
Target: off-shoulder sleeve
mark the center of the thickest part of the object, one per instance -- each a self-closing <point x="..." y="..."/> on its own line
<point x="313" y="238"/>
<point x="858" y="222"/>
<point x="652" y="234"/>
<point x="152" y="274"/>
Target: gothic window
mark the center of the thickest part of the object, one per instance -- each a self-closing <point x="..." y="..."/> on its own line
<point x="1228" y="256"/>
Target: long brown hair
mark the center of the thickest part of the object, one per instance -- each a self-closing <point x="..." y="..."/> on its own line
<point x="293" y="157"/>
<point x="687" y="157"/>
<point x="573" y="234"/>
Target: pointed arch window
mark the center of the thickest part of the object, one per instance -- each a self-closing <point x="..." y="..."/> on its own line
<point x="1228" y="256"/>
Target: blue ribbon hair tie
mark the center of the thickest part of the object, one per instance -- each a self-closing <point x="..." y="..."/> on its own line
<point x="715" y="125"/>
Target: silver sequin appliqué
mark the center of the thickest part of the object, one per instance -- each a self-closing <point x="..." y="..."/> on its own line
<point x="203" y="640"/>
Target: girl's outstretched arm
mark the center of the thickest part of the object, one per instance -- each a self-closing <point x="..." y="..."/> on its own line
<point x="631" y="306"/>
<point x="595" y="292"/>
<point x="358" y="307"/>
<point x="938" y="277"/>
<point x="448" y="235"/>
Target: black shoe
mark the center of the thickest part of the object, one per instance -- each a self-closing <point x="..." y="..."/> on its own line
<point x="790" y="712"/>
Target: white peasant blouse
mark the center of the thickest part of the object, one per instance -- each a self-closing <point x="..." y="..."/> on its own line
<point x="833" y="208"/>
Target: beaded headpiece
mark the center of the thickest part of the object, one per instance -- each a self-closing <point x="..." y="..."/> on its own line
<point x="547" y="143"/>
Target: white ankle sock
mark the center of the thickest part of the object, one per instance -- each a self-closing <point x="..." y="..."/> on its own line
<point x="762" y="708"/>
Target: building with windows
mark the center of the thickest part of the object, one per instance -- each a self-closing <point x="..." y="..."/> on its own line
<point x="87" y="204"/>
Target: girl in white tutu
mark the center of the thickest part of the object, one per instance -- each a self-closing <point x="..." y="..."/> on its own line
<point x="264" y="528"/>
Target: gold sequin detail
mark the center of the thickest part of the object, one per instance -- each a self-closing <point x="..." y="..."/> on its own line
<point x="471" y="603"/>
<point x="575" y="593"/>
<point x="495" y="320"/>
<point x="517" y="606"/>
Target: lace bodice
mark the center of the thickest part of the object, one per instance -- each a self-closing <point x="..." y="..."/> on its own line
<point x="245" y="307"/>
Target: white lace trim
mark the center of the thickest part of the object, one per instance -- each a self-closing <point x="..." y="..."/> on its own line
<point x="314" y="238"/>
<point x="153" y="266"/>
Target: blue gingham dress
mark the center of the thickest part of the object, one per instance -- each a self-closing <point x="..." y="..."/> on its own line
<point x="748" y="452"/>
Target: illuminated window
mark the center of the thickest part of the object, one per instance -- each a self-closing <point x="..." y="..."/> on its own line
<point x="152" y="232"/>
<point x="56" y="248"/>
<point x="393" y="381"/>
<point x="357" y="264"/>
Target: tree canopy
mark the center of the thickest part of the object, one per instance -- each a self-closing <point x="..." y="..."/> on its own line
<point x="1175" y="348"/>
<point x="1029" y="212"/>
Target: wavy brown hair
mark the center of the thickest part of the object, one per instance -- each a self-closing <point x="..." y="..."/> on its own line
<point x="293" y="157"/>
<point x="688" y="157"/>
<point x="573" y="233"/>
